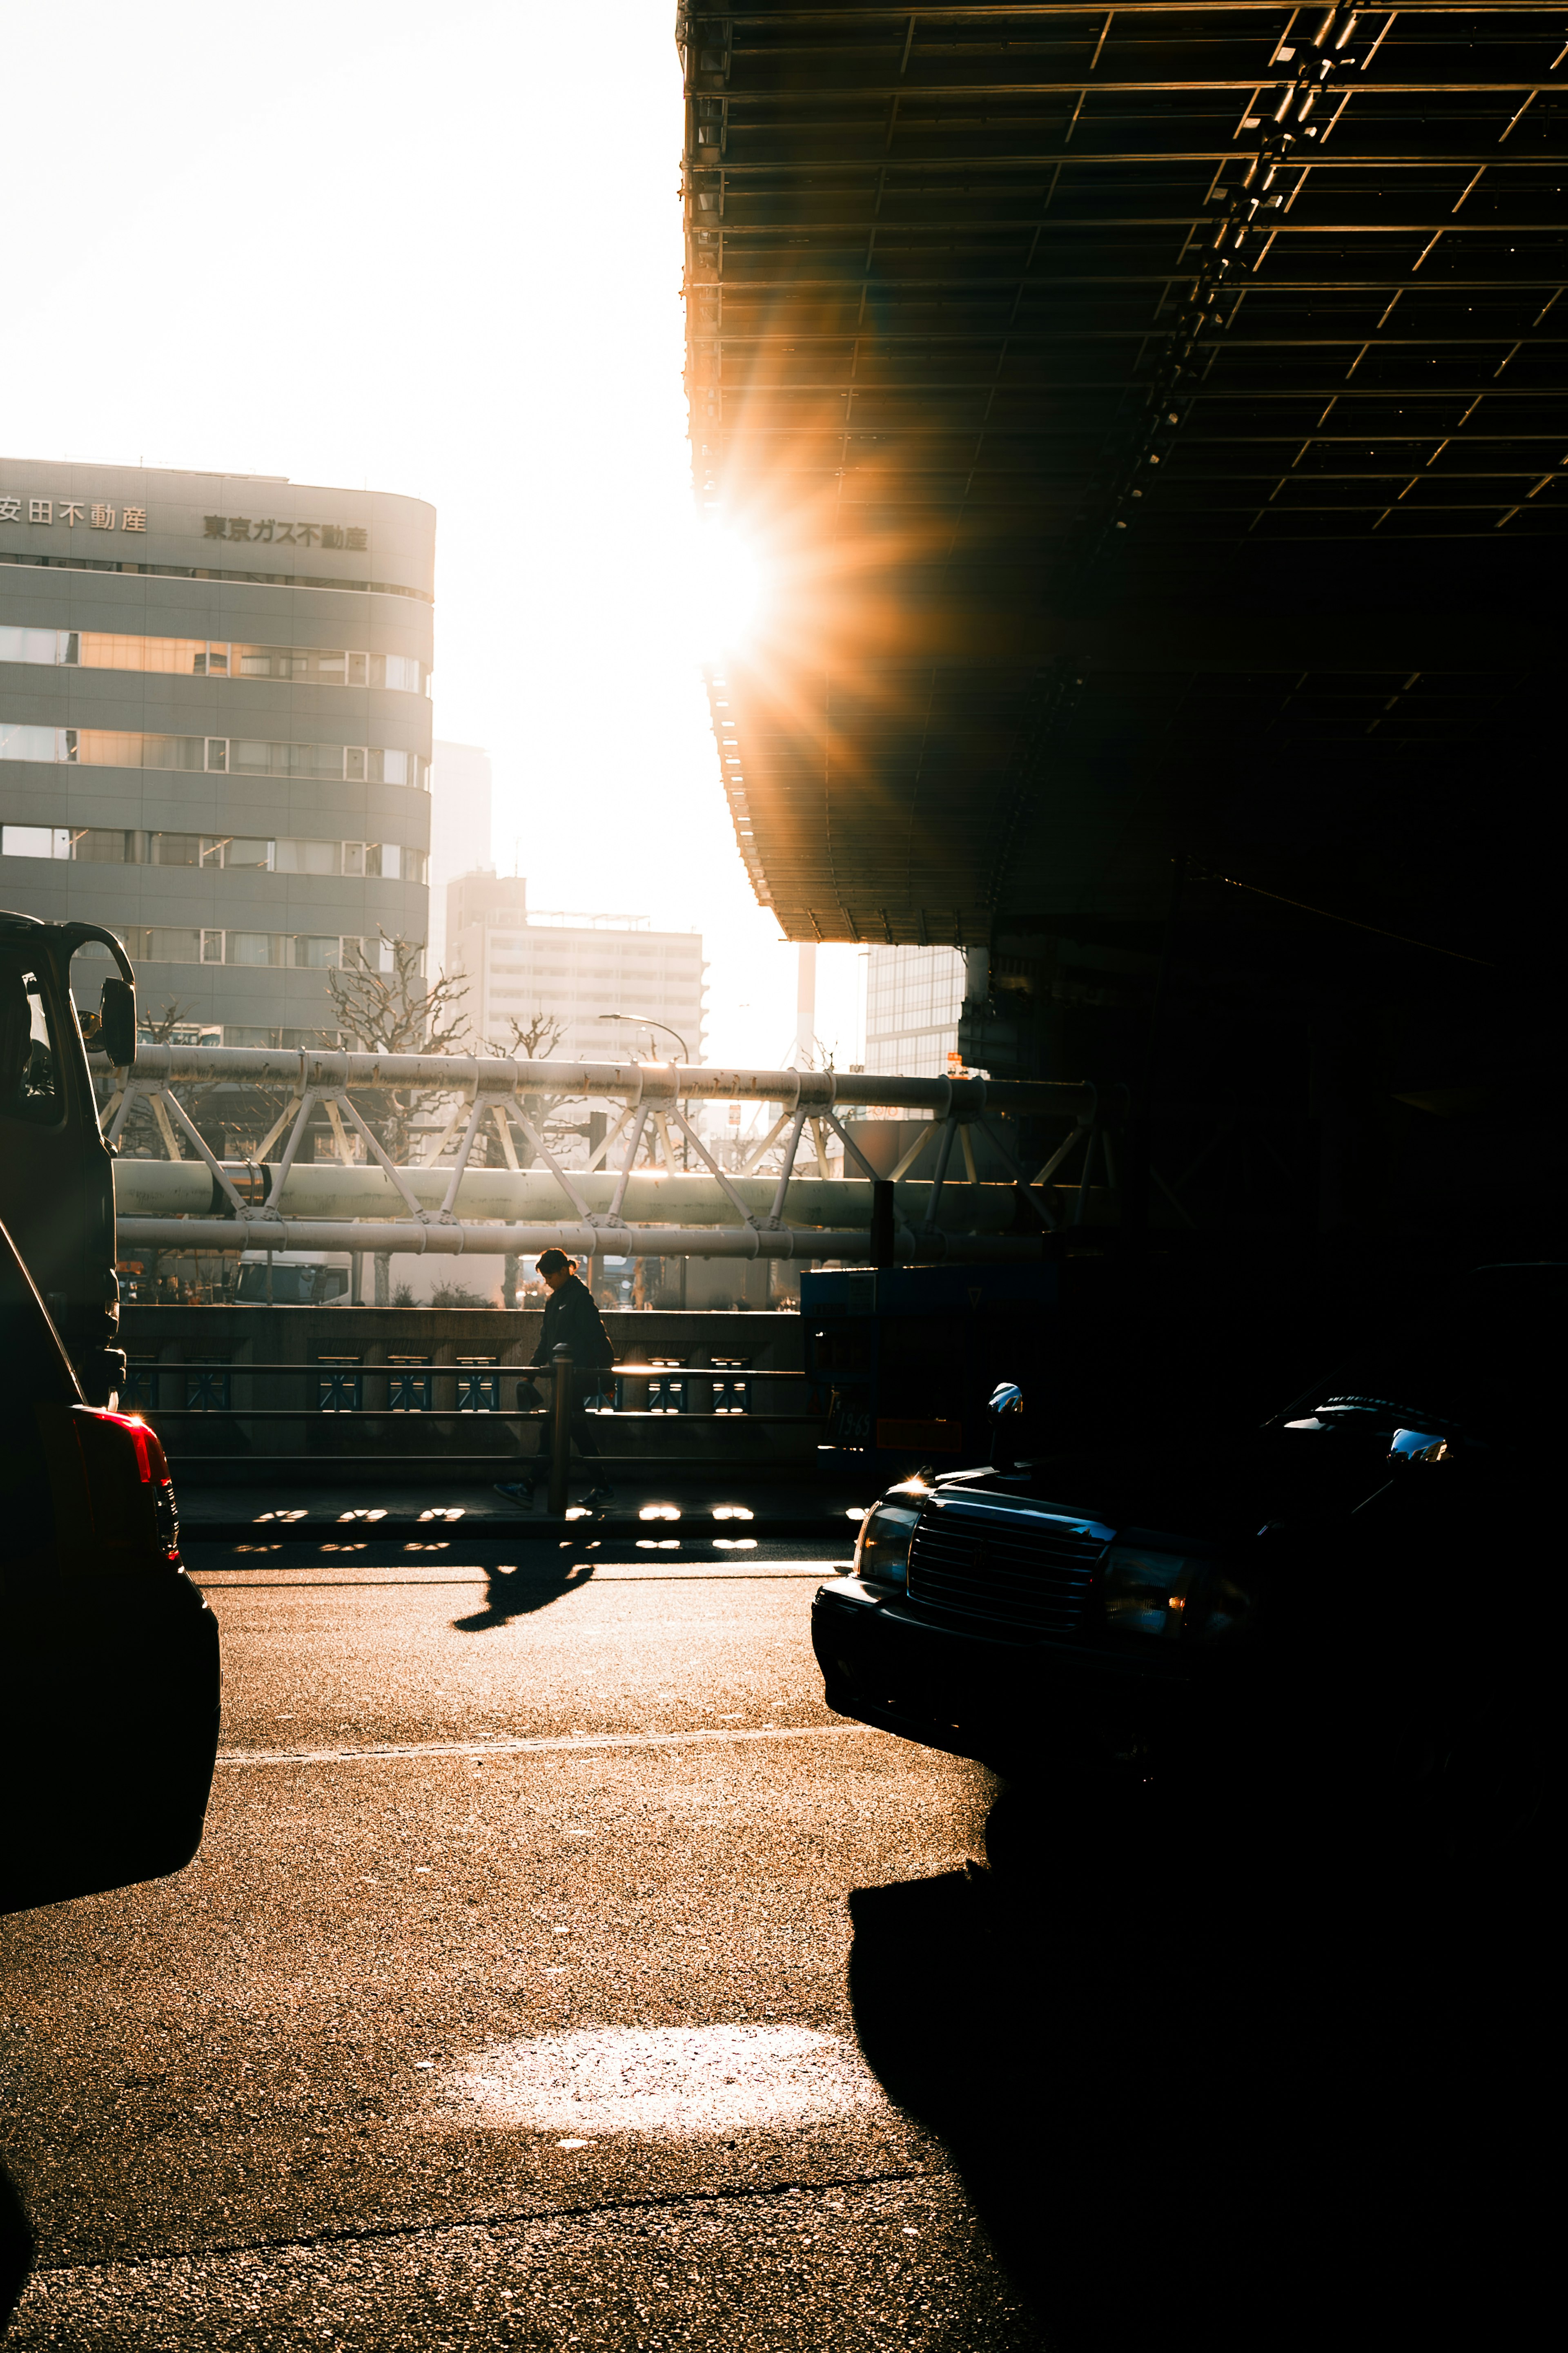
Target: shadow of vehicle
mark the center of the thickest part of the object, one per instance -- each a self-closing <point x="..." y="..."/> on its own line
<point x="517" y="1592"/>
<point x="1203" y="2089"/>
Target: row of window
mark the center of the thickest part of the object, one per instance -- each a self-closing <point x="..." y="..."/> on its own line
<point x="561" y="999"/>
<point x="210" y="657"/>
<point x="232" y="755"/>
<point x="102" y="845"/>
<point x="176" y="943"/>
<point x="227" y="1033"/>
<point x="912" y="988"/>
<point x="210" y="571"/>
<point x="681" y="968"/>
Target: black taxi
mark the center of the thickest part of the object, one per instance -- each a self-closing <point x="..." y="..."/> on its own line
<point x="1328" y="1603"/>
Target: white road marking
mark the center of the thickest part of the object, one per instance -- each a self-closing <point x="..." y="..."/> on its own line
<point x="526" y="1748"/>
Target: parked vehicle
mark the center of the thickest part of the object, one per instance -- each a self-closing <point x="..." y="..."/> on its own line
<point x="293" y="1279"/>
<point x="1335" y="1607"/>
<point x="57" y="1188"/>
<point x="109" y="1655"/>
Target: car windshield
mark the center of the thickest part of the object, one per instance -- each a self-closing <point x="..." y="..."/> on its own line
<point x="29" y="1071"/>
<point x="1475" y="1364"/>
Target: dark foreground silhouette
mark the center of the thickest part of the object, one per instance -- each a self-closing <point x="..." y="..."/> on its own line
<point x="1205" y="2091"/>
<point x="16" y="2249"/>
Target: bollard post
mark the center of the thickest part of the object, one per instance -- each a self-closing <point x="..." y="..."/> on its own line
<point x="559" y="1431"/>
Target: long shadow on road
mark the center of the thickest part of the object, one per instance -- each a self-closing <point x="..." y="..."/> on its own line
<point x="1225" y="2101"/>
<point x="517" y="1592"/>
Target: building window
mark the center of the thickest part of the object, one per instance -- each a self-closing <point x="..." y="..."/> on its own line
<point x="310" y="858"/>
<point x="32" y="743"/>
<point x="124" y="846"/>
<point x="102" y="845"/>
<point x="208" y="658"/>
<point x="173" y="944"/>
<point x="253" y="948"/>
<point x="98" y="748"/>
<point x="34" y="842"/>
<point x="21" y="645"/>
<point x="177" y="849"/>
<point x="168" y="943"/>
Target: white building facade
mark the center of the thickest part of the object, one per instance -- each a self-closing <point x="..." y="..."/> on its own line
<point x="460" y="841"/>
<point x="574" y="971"/>
<point x="913" y="997"/>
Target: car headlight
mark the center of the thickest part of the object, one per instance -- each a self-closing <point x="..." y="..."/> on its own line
<point x="1146" y="1592"/>
<point x="882" y="1548"/>
<point x="1221" y="1608"/>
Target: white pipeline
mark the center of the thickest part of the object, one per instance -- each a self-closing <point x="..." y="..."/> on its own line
<point x="634" y="1083"/>
<point x="325" y="1188"/>
<point x="582" y="1241"/>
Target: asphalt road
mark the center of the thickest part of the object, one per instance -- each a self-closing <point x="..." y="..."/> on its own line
<point x="556" y="1972"/>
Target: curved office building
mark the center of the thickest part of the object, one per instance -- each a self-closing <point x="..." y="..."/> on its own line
<point x="215" y="729"/>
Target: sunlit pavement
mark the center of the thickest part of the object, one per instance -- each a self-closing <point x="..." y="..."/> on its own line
<point x="557" y="1971"/>
<point x="478" y="2043"/>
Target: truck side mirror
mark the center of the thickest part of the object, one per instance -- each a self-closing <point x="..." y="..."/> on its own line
<point x="117" y="1023"/>
<point x="1006" y="1411"/>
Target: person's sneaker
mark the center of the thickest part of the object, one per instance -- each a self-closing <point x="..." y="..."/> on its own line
<point x="600" y="1495"/>
<point x="516" y="1491"/>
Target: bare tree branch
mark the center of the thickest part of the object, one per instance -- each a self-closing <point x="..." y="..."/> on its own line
<point x="534" y="1041"/>
<point x="393" y="1012"/>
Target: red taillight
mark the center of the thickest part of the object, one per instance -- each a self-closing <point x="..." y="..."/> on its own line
<point x="141" y="1438"/>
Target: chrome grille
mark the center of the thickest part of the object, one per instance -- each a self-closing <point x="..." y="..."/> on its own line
<point x="1019" y="1568"/>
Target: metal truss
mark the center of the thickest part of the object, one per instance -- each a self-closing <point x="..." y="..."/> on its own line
<point x="450" y="1206"/>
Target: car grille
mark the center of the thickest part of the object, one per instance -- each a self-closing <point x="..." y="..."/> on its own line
<point x="1019" y="1568"/>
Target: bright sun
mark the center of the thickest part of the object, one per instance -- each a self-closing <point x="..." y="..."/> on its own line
<point x="726" y="586"/>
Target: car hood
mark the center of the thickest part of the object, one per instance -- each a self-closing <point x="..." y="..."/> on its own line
<point x="1213" y="1492"/>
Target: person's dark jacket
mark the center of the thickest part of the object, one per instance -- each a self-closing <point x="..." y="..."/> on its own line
<point x="572" y="1321"/>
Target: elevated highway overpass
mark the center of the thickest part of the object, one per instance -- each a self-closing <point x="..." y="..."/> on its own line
<point x="1152" y="422"/>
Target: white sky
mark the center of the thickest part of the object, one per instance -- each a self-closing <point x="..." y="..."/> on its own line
<point x="436" y="252"/>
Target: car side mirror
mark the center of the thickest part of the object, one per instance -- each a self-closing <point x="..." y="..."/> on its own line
<point x="117" y="1023"/>
<point x="1006" y="1411"/>
<point x="1420" y="1446"/>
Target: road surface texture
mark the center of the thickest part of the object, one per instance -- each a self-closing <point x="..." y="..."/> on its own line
<point x="558" y="1972"/>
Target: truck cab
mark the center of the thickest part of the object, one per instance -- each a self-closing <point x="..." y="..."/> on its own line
<point x="57" y="1183"/>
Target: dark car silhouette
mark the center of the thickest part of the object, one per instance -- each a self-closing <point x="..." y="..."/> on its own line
<point x="108" y="1656"/>
<point x="1335" y="1607"/>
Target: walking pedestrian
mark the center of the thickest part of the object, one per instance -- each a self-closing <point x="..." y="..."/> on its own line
<point x="572" y="1321"/>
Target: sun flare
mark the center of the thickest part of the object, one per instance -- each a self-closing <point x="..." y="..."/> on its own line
<point x="727" y="584"/>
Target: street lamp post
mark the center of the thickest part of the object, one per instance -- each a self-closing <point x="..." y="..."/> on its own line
<point x="641" y="1021"/>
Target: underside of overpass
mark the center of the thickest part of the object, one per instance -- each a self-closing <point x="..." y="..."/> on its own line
<point x="1152" y="421"/>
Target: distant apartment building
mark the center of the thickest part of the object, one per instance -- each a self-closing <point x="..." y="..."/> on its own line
<point x="215" y="729"/>
<point x="573" y="970"/>
<point x="913" y="997"/>
<point x="460" y="840"/>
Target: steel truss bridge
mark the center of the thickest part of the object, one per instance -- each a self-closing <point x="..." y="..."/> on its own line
<point x="362" y="1200"/>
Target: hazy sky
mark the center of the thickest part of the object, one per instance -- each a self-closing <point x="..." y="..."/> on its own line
<point x="436" y="252"/>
